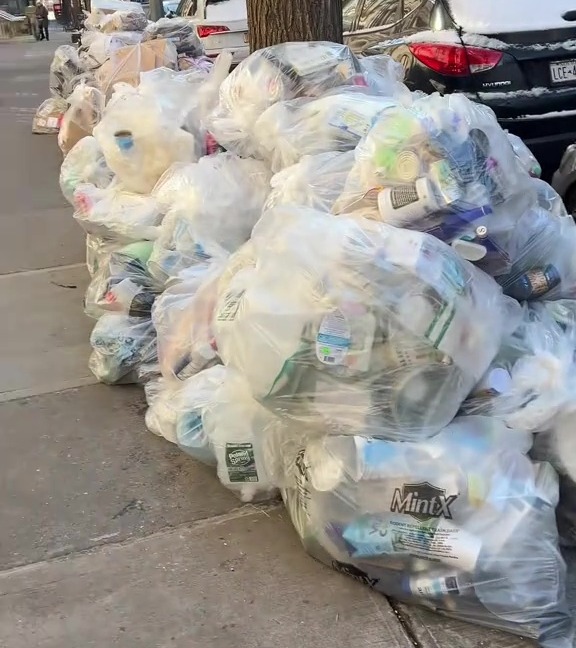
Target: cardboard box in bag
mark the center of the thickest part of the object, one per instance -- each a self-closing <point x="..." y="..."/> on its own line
<point x="126" y="63"/>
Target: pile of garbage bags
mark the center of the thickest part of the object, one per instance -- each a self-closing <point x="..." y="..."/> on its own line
<point x="357" y="297"/>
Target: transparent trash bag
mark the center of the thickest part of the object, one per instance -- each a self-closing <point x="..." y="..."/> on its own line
<point x="359" y="325"/>
<point x="139" y="151"/>
<point x="123" y="284"/>
<point x="126" y="63"/>
<point x="274" y="74"/>
<point x="336" y="121"/>
<point x="176" y="409"/>
<point x="532" y="379"/>
<point x="181" y="31"/>
<point x="463" y="524"/>
<point x="84" y="164"/>
<point x="84" y="112"/>
<point x="49" y="116"/>
<point x="316" y="181"/>
<point x="97" y="48"/>
<point x="216" y="203"/>
<point x="66" y="71"/>
<point x="120" y="346"/>
<point x="98" y="251"/>
<point x="182" y="316"/>
<point x="246" y="451"/>
<point x="444" y="166"/>
<point x="525" y="156"/>
<point x="116" y="214"/>
<point x="123" y="21"/>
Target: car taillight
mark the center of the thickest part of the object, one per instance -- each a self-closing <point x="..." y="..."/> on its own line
<point x="455" y="60"/>
<point x="207" y="30"/>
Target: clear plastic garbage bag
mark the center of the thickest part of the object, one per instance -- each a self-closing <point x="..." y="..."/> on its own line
<point x="532" y="379"/>
<point x="274" y="74"/>
<point x="316" y="181"/>
<point x="84" y="112"/>
<point x="98" y="251"/>
<point x="463" y="524"/>
<point x="181" y="31"/>
<point x="139" y="151"/>
<point x="525" y="156"/>
<point x="442" y="165"/>
<point x="182" y="316"/>
<point x="126" y="63"/>
<point x="97" y="47"/>
<point x="336" y="121"/>
<point x="116" y="214"/>
<point x="216" y="204"/>
<point x="66" y="71"/>
<point x="84" y="164"/>
<point x="123" y="284"/>
<point x="176" y="409"/>
<point x="359" y="325"/>
<point x="120" y="345"/>
<point x="49" y="116"/>
<point x="123" y="21"/>
<point x="247" y="451"/>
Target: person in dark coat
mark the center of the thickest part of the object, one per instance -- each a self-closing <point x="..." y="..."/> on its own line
<point x="42" y="20"/>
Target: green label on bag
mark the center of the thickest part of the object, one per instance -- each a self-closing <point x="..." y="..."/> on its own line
<point x="240" y="462"/>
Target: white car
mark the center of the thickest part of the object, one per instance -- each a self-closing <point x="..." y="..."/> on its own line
<point x="222" y="25"/>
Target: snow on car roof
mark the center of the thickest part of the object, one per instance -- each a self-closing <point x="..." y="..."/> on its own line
<point x="500" y="16"/>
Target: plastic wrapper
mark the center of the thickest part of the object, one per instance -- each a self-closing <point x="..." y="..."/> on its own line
<point x="120" y="345"/>
<point x="126" y="63"/>
<point x="84" y="164"/>
<point x="316" y="181"/>
<point x="181" y="31"/>
<point x="139" y="151"/>
<point x="220" y="201"/>
<point x="115" y="213"/>
<point x="84" y="112"/>
<point x="337" y="121"/>
<point x="182" y="316"/>
<point x="49" y="116"/>
<point x="463" y="524"/>
<point x="66" y="71"/>
<point x="274" y="74"/>
<point x="376" y="329"/>
<point x="123" y="284"/>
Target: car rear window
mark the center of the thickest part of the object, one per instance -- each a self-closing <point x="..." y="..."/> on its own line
<point x="226" y="10"/>
<point x="506" y="16"/>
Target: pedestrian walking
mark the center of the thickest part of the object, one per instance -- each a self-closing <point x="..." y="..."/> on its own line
<point x="30" y="13"/>
<point x="42" y="20"/>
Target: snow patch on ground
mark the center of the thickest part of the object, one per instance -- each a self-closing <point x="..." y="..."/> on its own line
<point x="500" y="16"/>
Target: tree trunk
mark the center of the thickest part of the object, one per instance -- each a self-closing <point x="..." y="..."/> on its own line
<point x="271" y="22"/>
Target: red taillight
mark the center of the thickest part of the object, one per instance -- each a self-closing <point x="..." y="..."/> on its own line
<point x="455" y="60"/>
<point x="207" y="30"/>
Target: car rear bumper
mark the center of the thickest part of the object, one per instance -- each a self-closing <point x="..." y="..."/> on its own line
<point x="238" y="53"/>
<point x="546" y="136"/>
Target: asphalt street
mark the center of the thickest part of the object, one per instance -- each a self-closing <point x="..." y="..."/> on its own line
<point x="110" y="536"/>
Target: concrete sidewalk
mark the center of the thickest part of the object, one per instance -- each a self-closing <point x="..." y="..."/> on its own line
<point x="110" y="536"/>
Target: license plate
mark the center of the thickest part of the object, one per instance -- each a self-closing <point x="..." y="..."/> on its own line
<point x="563" y="71"/>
